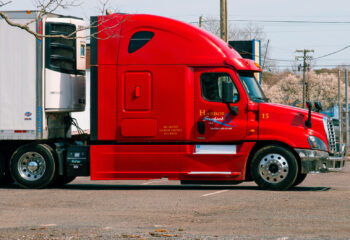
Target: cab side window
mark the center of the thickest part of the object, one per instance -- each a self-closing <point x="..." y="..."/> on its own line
<point x="211" y="84"/>
<point x="139" y="39"/>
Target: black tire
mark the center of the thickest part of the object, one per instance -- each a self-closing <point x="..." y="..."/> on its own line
<point x="6" y="180"/>
<point x="5" y="175"/>
<point x="62" y="180"/>
<point x="274" y="167"/>
<point x="300" y="178"/>
<point x="33" y="165"/>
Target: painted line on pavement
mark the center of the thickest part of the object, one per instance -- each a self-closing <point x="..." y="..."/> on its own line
<point x="209" y="194"/>
<point x="48" y="225"/>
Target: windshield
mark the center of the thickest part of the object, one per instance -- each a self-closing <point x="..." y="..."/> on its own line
<point x="252" y="87"/>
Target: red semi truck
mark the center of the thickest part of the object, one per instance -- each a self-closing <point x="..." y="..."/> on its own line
<point x="170" y="100"/>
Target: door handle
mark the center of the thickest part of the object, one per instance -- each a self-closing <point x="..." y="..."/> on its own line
<point x="201" y="127"/>
<point x="137" y="91"/>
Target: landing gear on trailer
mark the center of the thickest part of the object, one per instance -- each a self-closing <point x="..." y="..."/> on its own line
<point x="33" y="165"/>
<point x="274" y="168"/>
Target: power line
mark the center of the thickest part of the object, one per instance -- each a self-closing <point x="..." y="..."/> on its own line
<point x="281" y="21"/>
<point x="270" y="59"/>
<point x="317" y="65"/>
<point x="323" y="56"/>
<point x="332" y="53"/>
<point x="291" y="21"/>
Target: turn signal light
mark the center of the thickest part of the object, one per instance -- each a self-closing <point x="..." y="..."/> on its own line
<point x="257" y="64"/>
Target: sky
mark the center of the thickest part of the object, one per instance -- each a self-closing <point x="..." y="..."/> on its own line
<point x="320" y="25"/>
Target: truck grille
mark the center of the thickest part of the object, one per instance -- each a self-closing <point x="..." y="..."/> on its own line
<point x="329" y="128"/>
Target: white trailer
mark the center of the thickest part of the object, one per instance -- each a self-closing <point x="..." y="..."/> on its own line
<point x="41" y="82"/>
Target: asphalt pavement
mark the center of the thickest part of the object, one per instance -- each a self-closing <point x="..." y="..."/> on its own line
<point x="160" y="209"/>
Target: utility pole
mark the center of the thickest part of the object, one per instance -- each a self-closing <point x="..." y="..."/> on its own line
<point x="223" y="19"/>
<point x="346" y="110"/>
<point x="200" y="21"/>
<point x="267" y="47"/>
<point x="340" y="114"/>
<point x="305" y="57"/>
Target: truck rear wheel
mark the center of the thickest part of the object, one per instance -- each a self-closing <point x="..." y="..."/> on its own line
<point x="274" y="167"/>
<point x="62" y="180"/>
<point x="33" y="165"/>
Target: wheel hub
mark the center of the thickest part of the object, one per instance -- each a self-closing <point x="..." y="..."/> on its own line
<point x="273" y="168"/>
<point x="31" y="166"/>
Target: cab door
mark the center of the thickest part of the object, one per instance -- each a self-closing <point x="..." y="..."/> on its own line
<point x="214" y="122"/>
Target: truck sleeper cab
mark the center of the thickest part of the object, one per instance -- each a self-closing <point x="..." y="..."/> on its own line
<point x="169" y="100"/>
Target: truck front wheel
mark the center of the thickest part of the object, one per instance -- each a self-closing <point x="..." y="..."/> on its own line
<point x="274" y="167"/>
<point x="301" y="177"/>
<point x="33" y="165"/>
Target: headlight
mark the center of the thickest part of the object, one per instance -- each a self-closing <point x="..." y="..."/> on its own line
<point x="316" y="143"/>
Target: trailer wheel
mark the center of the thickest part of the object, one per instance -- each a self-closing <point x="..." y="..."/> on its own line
<point x="300" y="178"/>
<point x="33" y="165"/>
<point x="274" y="168"/>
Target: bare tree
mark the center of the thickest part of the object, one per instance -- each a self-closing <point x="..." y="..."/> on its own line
<point x="106" y="7"/>
<point x="45" y="7"/>
<point x="287" y="88"/>
<point x="211" y="25"/>
<point x="4" y="3"/>
<point x="49" y="7"/>
<point x="248" y="32"/>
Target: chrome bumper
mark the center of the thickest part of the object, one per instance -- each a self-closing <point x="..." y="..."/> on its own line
<point x="313" y="161"/>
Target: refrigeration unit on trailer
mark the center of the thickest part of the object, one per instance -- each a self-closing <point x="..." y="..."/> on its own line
<point x="42" y="80"/>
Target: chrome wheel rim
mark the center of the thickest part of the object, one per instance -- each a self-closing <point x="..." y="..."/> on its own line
<point x="273" y="168"/>
<point x="31" y="166"/>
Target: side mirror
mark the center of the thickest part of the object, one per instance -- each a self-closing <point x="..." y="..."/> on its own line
<point x="227" y="92"/>
<point x="227" y="97"/>
<point x="308" y="104"/>
<point x="318" y="106"/>
<point x="308" y="121"/>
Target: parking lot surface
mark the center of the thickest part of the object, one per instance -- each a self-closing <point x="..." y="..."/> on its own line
<point x="160" y="209"/>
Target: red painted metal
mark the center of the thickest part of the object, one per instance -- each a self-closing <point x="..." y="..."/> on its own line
<point x="220" y="125"/>
<point x="135" y="83"/>
<point x="287" y="124"/>
<point x="160" y="161"/>
<point x="150" y="101"/>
